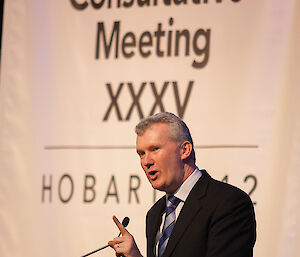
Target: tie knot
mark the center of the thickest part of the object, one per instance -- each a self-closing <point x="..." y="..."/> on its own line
<point x="174" y="200"/>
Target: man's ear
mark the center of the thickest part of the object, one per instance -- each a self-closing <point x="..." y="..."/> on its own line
<point x="186" y="150"/>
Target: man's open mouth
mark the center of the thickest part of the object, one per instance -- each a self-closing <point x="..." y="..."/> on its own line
<point x="152" y="172"/>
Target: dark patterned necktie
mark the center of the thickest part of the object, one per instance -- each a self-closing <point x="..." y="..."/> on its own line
<point x="169" y="223"/>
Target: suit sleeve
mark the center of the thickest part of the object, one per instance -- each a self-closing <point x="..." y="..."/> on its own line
<point x="232" y="230"/>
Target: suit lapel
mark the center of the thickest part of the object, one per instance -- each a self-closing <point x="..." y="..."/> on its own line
<point x="190" y="208"/>
<point x="155" y="220"/>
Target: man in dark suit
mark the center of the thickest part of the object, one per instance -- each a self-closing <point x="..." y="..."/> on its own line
<point x="198" y="216"/>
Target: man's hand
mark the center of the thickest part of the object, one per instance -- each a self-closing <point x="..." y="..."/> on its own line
<point x="124" y="244"/>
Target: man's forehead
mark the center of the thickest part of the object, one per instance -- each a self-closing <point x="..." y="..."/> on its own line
<point x="154" y="130"/>
<point x="154" y="134"/>
<point x="157" y="126"/>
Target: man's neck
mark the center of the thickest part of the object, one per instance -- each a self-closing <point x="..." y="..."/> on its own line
<point x="188" y="170"/>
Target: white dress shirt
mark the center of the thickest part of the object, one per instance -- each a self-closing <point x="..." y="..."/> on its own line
<point x="181" y="193"/>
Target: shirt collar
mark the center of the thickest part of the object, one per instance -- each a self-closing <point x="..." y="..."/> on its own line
<point x="186" y="187"/>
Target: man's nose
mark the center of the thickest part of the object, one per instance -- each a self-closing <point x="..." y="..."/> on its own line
<point x="148" y="161"/>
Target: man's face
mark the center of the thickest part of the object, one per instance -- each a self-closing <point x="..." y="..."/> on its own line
<point x="160" y="158"/>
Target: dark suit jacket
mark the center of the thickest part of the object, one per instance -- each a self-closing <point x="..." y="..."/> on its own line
<point x="217" y="220"/>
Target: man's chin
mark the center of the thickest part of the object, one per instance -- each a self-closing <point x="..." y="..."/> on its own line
<point x="158" y="186"/>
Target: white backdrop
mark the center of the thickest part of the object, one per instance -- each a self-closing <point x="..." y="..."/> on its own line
<point x="67" y="114"/>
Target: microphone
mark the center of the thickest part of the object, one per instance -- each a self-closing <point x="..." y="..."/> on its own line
<point x="125" y="222"/>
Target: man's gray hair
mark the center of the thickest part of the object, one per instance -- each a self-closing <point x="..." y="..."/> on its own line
<point x="179" y="132"/>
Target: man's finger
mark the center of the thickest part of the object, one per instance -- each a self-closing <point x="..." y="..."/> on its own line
<point x="111" y="243"/>
<point x="120" y="226"/>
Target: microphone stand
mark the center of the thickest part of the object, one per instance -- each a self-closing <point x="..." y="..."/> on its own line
<point x="124" y="223"/>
